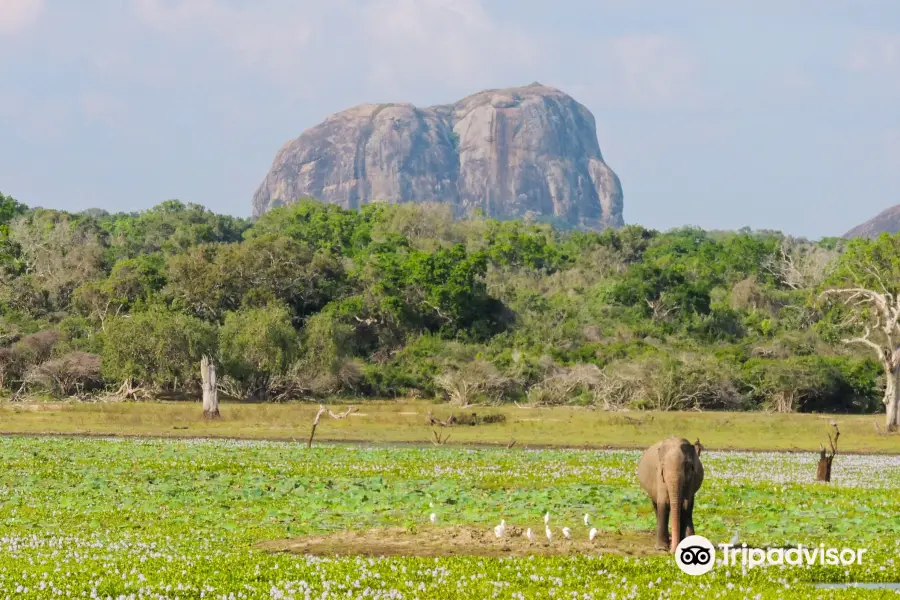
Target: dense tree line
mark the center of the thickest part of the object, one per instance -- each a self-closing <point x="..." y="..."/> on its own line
<point x="312" y="300"/>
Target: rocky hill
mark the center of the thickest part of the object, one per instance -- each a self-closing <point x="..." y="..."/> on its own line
<point x="509" y="152"/>
<point x="886" y="221"/>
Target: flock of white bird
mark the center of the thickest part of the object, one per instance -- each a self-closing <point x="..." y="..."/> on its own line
<point x="500" y="530"/>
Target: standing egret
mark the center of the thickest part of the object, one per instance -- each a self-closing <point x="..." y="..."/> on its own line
<point x="433" y="518"/>
<point x="587" y="519"/>
<point x="567" y="533"/>
<point x="734" y="539"/>
<point x="530" y="535"/>
<point x="548" y="533"/>
<point x="500" y="529"/>
<point x="592" y="534"/>
<point x="547" y="519"/>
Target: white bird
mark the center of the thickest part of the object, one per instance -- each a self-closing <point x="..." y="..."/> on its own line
<point x="548" y="533"/>
<point x="530" y="535"/>
<point x="734" y="539"/>
<point x="547" y="519"/>
<point x="587" y="519"/>
<point x="592" y="534"/>
<point x="567" y="533"/>
<point x="433" y="518"/>
<point x="500" y="529"/>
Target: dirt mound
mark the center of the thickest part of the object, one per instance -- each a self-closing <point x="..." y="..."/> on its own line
<point x="464" y="541"/>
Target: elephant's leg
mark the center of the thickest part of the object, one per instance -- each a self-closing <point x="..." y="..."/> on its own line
<point x="688" y="520"/>
<point x="662" y="524"/>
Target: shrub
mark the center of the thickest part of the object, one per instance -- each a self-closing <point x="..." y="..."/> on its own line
<point x="159" y="349"/>
<point x="69" y="375"/>
<point x="257" y="346"/>
<point x="813" y="383"/>
<point x="37" y="347"/>
<point x="479" y="380"/>
<point x="9" y="366"/>
<point x="567" y="383"/>
<point x="688" y="382"/>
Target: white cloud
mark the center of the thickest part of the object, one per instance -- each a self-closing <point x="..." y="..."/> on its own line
<point x="256" y="35"/>
<point x="874" y="52"/>
<point x="391" y="46"/>
<point x="449" y="43"/>
<point x="641" y="71"/>
<point x="100" y="106"/>
<point x="651" y="69"/>
<point x="36" y="119"/>
<point x="16" y="15"/>
<point x="891" y="140"/>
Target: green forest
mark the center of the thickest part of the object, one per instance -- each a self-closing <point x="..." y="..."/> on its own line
<point x="312" y="301"/>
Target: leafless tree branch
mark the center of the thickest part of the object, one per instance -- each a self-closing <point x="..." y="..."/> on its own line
<point x="325" y="411"/>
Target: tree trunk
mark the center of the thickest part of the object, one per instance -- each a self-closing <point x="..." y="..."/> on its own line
<point x="891" y="396"/>
<point x="823" y="469"/>
<point x="210" y="392"/>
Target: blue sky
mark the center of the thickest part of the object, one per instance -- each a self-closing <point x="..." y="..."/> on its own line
<point x="782" y="115"/>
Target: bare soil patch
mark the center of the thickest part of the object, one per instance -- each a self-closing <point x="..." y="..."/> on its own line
<point x="464" y="541"/>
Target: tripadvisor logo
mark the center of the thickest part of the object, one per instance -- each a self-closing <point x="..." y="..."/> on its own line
<point x="696" y="555"/>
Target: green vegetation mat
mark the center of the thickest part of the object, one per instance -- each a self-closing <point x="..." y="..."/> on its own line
<point x="185" y="519"/>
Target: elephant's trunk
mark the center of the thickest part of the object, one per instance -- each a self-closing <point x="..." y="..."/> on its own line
<point x="675" y="485"/>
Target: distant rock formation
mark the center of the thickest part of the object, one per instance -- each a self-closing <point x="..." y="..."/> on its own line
<point x="509" y="152"/>
<point x="887" y="221"/>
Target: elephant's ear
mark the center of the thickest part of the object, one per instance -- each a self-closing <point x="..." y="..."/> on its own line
<point x="698" y="446"/>
<point x="659" y="463"/>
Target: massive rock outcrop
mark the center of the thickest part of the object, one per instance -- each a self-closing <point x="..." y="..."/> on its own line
<point x="887" y="221"/>
<point x="508" y="152"/>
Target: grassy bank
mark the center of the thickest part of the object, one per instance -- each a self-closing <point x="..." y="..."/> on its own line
<point x="406" y="422"/>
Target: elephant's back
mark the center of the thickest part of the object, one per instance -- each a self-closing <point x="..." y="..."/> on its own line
<point x="650" y="452"/>
<point x="648" y="464"/>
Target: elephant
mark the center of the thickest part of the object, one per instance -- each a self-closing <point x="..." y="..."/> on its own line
<point x="670" y="472"/>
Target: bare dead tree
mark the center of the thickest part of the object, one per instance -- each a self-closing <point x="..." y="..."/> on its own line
<point x="823" y="470"/>
<point x="878" y="313"/>
<point x="436" y="438"/>
<point x="20" y="393"/>
<point x="325" y="411"/>
<point x="432" y="420"/>
<point x="438" y="312"/>
<point x="478" y="378"/>
<point x="799" y="267"/>
<point x="68" y="375"/>
<point x="659" y="309"/>
<point x="128" y="391"/>
<point x="367" y="321"/>
<point x="210" y="390"/>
